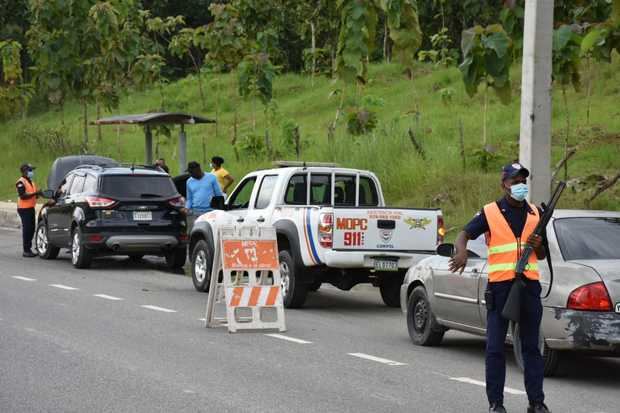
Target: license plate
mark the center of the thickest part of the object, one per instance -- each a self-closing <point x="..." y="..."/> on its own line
<point x="142" y="216"/>
<point x="386" y="265"/>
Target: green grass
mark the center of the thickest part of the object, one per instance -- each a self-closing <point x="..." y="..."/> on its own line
<point x="408" y="180"/>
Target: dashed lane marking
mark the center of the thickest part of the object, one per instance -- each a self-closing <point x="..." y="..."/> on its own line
<point x="483" y="384"/>
<point x="19" y="277"/>
<point x="107" y="297"/>
<point x="377" y="359"/>
<point x="64" y="287"/>
<point x="156" y="308"/>
<point x="287" y="338"/>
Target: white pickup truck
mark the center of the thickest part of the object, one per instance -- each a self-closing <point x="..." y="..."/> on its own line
<point x="332" y="225"/>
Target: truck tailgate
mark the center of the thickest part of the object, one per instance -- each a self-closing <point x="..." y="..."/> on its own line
<point x="385" y="229"/>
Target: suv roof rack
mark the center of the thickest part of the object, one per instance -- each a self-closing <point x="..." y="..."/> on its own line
<point x="303" y="164"/>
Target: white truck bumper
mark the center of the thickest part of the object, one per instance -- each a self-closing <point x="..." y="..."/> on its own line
<point x="366" y="259"/>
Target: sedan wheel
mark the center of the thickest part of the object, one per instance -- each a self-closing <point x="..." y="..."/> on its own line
<point x="424" y="329"/>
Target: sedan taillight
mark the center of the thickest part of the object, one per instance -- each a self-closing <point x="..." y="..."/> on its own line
<point x="590" y="297"/>
<point x="99" y="202"/>
<point x="178" y="202"/>
<point x="326" y="229"/>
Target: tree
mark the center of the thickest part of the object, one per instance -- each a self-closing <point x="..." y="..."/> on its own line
<point x="487" y="56"/>
<point x="193" y="43"/>
<point x="14" y="93"/>
<point x="566" y="62"/>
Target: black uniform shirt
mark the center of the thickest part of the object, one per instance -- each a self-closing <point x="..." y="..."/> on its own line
<point x="515" y="216"/>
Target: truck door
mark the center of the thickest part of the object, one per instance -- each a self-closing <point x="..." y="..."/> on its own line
<point x="263" y="202"/>
<point x="240" y="200"/>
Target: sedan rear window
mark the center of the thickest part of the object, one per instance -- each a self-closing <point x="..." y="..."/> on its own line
<point x="138" y="186"/>
<point x="588" y="238"/>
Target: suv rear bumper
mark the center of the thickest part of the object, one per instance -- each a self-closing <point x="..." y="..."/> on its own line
<point x="155" y="244"/>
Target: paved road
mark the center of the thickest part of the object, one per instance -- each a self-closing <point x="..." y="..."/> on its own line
<point x="127" y="337"/>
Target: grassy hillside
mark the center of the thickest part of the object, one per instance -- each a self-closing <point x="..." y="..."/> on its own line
<point x="408" y="180"/>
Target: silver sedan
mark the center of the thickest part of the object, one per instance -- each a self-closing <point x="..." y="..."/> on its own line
<point x="581" y="295"/>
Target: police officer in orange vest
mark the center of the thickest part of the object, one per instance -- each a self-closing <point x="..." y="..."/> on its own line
<point x="28" y="193"/>
<point x="508" y="224"/>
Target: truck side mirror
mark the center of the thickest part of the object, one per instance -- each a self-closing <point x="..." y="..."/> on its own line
<point x="445" y="250"/>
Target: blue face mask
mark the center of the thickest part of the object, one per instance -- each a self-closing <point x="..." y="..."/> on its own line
<point x="30" y="174"/>
<point x="519" y="192"/>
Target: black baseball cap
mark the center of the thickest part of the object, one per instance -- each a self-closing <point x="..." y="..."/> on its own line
<point x="514" y="169"/>
<point x="192" y="165"/>
<point x="27" y="167"/>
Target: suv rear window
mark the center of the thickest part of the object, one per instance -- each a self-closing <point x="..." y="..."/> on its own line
<point x="588" y="238"/>
<point x="138" y="186"/>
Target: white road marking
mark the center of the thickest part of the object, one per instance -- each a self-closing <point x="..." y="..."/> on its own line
<point x="187" y="391"/>
<point x="64" y="287"/>
<point x="108" y="297"/>
<point x="287" y="338"/>
<point x="19" y="277"/>
<point x="377" y="359"/>
<point x="155" y="308"/>
<point x="483" y="384"/>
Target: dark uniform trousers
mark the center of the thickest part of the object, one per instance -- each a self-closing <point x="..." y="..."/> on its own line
<point x="28" y="217"/>
<point x="529" y="327"/>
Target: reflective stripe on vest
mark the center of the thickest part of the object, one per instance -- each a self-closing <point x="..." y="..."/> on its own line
<point x="504" y="248"/>
<point x="30" y="188"/>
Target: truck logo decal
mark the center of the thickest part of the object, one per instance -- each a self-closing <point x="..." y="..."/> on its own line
<point x="618" y="307"/>
<point x="352" y="224"/>
<point x="309" y="239"/>
<point x="386" y="234"/>
<point x="419" y="223"/>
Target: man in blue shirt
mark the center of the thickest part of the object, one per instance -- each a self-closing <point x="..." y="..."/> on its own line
<point x="201" y="188"/>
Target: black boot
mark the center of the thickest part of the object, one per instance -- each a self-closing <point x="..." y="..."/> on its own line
<point x="29" y="254"/>
<point x="497" y="407"/>
<point x="539" y="407"/>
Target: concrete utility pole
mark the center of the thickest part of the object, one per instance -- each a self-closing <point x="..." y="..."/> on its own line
<point x="535" y="137"/>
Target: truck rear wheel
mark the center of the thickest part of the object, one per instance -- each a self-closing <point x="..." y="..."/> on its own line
<point x="390" y="289"/>
<point x="294" y="290"/>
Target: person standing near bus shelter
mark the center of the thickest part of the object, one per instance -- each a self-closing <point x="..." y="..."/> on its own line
<point x="27" y="200"/>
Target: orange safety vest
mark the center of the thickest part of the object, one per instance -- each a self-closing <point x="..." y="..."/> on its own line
<point x="505" y="248"/>
<point x="30" y="188"/>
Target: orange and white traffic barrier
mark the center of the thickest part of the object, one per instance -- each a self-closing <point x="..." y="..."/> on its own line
<point x="250" y="285"/>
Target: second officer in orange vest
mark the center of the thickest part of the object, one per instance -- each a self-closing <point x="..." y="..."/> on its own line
<point x="508" y="225"/>
<point x="27" y="192"/>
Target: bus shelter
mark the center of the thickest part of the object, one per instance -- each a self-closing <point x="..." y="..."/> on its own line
<point x="148" y="120"/>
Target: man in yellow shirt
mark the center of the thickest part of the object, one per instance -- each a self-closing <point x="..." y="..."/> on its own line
<point x="223" y="177"/>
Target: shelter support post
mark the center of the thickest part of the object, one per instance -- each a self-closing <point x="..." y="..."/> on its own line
<point x="535" y="136"/>
<point x="148" y="145"/>
<point x="182" y="149"/>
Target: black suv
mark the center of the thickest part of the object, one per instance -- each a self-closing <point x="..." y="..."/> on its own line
<point x="102" y="210"/>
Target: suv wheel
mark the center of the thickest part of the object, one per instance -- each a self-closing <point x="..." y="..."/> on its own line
<point x="294" y="290"/>
<point x="80" y="256"/>
<point x="423" y="327"/>
<point x="176" y="258"/>
<point x="202" y="264"/>
<point x="390" y="289"/>
<point x="45" y="249"/>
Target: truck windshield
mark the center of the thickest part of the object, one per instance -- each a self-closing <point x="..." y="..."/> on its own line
<point x="588" y="238"/>
<point x="138" y="186"/>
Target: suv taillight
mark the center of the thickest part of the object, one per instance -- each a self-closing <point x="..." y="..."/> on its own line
<point x="590" y="297"/>
<point x="99" y="202"/>
<point x="326" y="229"/>
<point x="441" y="229"/>
<point x="178" y="202"/>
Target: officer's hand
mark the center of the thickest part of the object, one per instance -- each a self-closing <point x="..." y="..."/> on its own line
<point x="535" y="241"/>
<point x="39" y="193"/>
<point x="458" y="262"/>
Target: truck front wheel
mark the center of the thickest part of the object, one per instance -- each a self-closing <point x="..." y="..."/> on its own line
<point x="390" y="289"/>
<point x="294" y="290"/>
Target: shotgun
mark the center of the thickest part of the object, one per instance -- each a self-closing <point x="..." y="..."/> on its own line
<point x="512" y="307"/>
